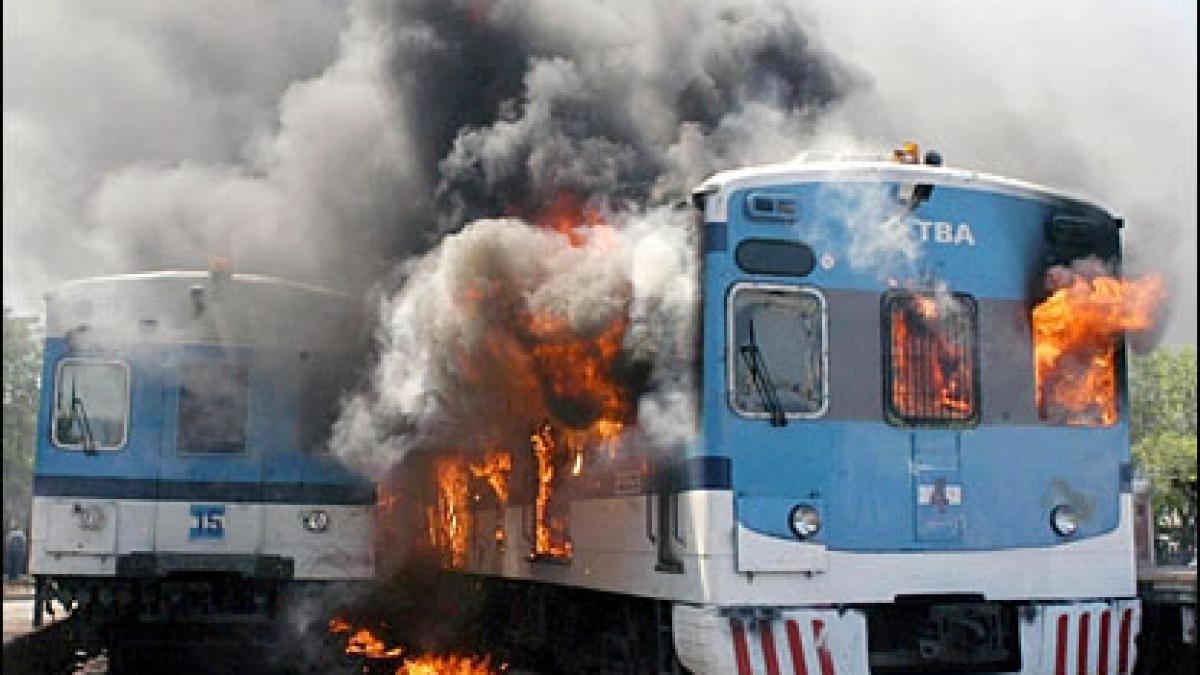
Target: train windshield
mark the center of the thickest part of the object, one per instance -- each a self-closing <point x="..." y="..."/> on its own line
<point x="777" y="359"/>
<point x="91" y="404"/>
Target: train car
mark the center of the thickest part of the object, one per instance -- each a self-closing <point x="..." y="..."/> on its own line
<point x="181" y="472"/>
<point x="886" y="475"/>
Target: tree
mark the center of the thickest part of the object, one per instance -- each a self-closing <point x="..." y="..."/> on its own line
<point x="22" y="368"/>
<point x="1162" y="399"/>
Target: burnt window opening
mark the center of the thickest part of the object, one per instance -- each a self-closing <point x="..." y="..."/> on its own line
<point x="931" y="358"/>
<point x="1084" y="307"/>
<point x="213" y="400"/>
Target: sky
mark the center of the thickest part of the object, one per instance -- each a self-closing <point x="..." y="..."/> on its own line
<point x="328" y="140"/>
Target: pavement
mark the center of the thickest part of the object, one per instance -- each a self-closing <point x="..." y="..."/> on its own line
<point x="18" y="608"/>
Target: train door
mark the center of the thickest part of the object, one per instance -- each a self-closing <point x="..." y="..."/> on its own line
<point x="210" y="465"/>
<point x="931" y="380"/>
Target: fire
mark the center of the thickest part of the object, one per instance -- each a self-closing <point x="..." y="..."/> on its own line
<point x="1074" y="337"/>
<point x="567" y="215"/>
<point x="495" y="469"/>
<point x="449" y="520"/>
<point x="931" y="362"/>
<point x="562" y="379"/>
<point x="364" y="643"/>
<point x="577" y="371"/>
<point x="549" y="532"/>
<point x="448" y="665"/>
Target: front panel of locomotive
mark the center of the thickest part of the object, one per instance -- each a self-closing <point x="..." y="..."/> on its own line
<point x="908" y="487"/>
<point x="181" y="466"/>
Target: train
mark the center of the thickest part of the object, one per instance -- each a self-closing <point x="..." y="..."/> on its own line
<point x="885" y="473"/>
<point x="181" y="473"/>
<point x="888" y="471"/>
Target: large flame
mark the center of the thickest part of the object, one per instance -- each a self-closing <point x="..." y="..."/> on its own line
<point x="1075" y="338"/>
<point x="449" y="518"/>
<point x="564" y="373"/>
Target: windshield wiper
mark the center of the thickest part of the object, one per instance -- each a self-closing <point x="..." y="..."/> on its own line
<point x="761" y="377"/>
<point x="79" y="414"/>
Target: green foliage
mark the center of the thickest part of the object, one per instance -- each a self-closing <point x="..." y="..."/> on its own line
<point x="22" y="367"/>
<point x="1162" y="392"/>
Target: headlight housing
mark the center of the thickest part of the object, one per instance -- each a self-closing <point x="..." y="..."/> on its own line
<point x="1064" y="520"/>
<point x="315" y="520"/>
<point x="805" y="521"/>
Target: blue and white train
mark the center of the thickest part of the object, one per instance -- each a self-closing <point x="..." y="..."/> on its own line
<point x="181" y="470"/>
<point x="868" y="491"/>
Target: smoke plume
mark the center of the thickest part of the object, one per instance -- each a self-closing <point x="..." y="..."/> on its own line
<point x="329" y="143"/>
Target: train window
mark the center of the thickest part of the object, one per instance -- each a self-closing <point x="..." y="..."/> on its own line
<point x="91" y="405"/>
<point x="323" y="379"/>
<point x="777" y="360"/>
<point x="212" y="407"/>
<point x="931" y="358"/>
<point x="783" y="258"/>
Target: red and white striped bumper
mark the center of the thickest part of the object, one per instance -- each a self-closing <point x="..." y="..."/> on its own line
<point x="1084" y="639"/>
<point x="795" y="642"/>
<point x="1096" y="638"/>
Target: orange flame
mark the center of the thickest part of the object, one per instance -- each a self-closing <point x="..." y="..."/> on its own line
<point x="448" y="665"/>
<point x="495" y="469"/>
<point x="449" y="520"/>
<point x="549" y="533"/>
<point x="931" y="364"/>
<point x="364" y="643"/>
<point x="567" y="215"/>
<point x="1074" y="337"/>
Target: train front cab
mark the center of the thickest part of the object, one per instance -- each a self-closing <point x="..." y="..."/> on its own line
<point x="179" y="471"/>
<point x="886" y="517"/>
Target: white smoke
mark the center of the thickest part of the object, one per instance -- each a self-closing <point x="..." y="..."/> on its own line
<point x="457" y="356"/>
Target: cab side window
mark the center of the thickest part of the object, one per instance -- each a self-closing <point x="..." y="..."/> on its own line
<point x="212" y="407"/>
<point x="91" y="405"/>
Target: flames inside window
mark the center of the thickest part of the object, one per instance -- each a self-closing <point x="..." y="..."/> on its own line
<point x="931" y="358"/>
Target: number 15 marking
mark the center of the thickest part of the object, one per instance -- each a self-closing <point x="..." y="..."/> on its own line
<point x="208" y="521"/>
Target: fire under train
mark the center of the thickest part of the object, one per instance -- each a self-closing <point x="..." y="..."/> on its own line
<point x="888" y="474"/>
<point x="181" y="472"/>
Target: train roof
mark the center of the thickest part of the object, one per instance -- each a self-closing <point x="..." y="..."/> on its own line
<point x="194" y="277"/>
<point x="214" y="307"/>
<point x="808" y="168"/>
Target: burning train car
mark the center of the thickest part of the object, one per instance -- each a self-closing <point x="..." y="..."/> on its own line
<point x="181" y="471"/>
<point x="924" y="470"/>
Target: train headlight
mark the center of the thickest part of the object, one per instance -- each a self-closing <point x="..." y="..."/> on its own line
<point x="315" y="521"/>
<point x="804" y="521"/>
<point x="1064" y="520"/>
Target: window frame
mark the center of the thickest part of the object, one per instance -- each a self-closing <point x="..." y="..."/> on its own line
<point x="890" y="413"/>
<point x="244" y="450"/>
<point x="54" y="417"/>
<point x="732" y="356"/>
